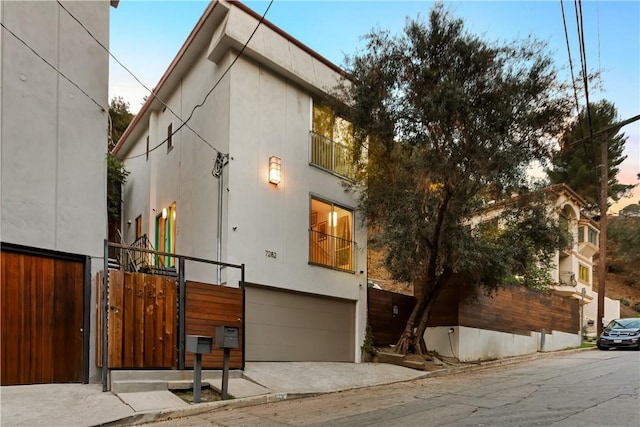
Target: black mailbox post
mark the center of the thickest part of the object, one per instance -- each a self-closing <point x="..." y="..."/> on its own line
<point x="198" y="345"/>
<point x="226" y="339"/>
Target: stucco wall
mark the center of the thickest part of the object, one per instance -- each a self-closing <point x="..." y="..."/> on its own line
<point x="54" y="138"/>
<point x="471" y="344"/>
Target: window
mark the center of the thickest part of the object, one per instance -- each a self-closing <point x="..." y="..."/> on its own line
<point x="331" y="141"/>
<point x="147" y="147"/>
<point x="330" y="234"/>
<point x="593" y="236"/>
<point x="166" y="235"/>
<point x="583" y="273"/>
<point x="169" y="137"/>
<point x="138" y="227"/>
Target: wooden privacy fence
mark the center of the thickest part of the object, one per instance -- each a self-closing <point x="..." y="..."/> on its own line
<point x="388" y="313"/>
<point x="142" y="328"/>
<point x="208" y="306"/>
<point x="513" y="309"/>
<point x="143" y="320"/>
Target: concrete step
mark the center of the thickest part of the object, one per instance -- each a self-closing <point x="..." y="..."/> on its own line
<point x="400" y="360"/>
<point x="136" y="386"/>
<point x="167" y="375"/>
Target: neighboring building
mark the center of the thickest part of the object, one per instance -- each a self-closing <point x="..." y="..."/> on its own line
<point x="53" y="198"/>
<point x="507" y="333"/>
<point x="210" y="196"/>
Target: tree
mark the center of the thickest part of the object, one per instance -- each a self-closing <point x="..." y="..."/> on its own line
<point x="120" y="117"/>
<point x="445" y="120"/>
<point x="624" y="246"/>
<point x="576" y="162"/>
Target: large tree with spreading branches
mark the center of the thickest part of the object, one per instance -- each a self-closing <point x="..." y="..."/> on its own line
<point x="446" y="121"/>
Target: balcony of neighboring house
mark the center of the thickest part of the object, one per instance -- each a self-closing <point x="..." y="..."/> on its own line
<point x="567" y="284"/>
<point x="331" y="142"/>
<point x="588" y="236"/>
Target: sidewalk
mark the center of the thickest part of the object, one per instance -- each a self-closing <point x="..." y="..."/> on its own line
<point x="261" y="382"/>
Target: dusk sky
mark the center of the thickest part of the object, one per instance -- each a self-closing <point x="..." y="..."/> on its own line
<point x="146" y="35"/>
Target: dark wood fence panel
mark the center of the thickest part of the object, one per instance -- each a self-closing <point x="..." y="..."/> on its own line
<point x="519" y="310"/>
<point x="388" y="313"/>
<point x="208" y="306"/>
<point x="41" y="320"/>
<point x="142" y="321"/>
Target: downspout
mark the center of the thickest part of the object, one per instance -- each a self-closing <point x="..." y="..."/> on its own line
<point x="221" y="161"/>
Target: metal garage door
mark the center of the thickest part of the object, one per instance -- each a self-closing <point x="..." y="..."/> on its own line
<point x="295" y="327"/>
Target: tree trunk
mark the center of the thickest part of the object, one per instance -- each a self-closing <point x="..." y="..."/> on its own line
<point x="418" y="339"/>
<point x="407" y="338"/>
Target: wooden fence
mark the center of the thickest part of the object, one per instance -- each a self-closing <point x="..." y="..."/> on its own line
<point x="388" y="313"/>
<point x="142" y="329"/>
<point x="208" y="306"/>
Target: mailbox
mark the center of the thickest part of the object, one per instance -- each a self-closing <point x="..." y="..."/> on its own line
<point x="199" y="344"/>
<point x="227" y="337"/>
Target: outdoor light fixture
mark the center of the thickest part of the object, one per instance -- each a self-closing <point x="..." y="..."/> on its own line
<point x="164" y="213"/>
<point x="333" y="218"/>
<point x="274" y="170"/>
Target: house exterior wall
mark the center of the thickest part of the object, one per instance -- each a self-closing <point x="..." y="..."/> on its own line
<point x="262" y="107"/>
<point x="54" y="138"/>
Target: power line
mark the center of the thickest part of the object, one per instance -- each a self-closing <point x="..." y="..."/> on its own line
<point x="212" y="88"/>
<point x="133" y="75"/>
<point x="573" y="79"/>
<point x="52" y="66"/>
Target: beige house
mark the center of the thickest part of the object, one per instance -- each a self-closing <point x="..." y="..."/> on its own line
<point x="254" y="177"/>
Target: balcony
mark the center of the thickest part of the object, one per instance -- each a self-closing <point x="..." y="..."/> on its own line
<point x="331" y="251"/>
<point x="331" y="156"/>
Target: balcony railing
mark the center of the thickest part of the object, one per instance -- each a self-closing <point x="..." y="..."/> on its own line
<point x="331" y="155"/>
<point x="568" y="278"/>
<point x="331" y="251"/>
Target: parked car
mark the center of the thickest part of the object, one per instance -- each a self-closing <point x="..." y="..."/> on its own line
<point x="620" y="333"/>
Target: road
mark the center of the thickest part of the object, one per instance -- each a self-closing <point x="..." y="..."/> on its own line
<point x="588" y="388"/>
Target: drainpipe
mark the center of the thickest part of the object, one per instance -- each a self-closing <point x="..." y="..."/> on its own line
<point x="221" y="161"/>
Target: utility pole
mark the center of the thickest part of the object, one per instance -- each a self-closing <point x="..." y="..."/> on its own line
<point x="602" y="257"/>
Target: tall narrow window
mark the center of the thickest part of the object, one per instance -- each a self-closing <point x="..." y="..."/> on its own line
<point x="138" y="227"/>
<point x="170" y="137"/>
<point x="166" y="235"/>
<point x="583" y="273"/>
<point x="330" y="235"/>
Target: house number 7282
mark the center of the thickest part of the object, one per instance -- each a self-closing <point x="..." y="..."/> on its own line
<point x="270" y="254"/>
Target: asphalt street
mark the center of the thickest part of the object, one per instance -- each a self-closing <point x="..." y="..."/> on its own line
<point x="589" y="388"/>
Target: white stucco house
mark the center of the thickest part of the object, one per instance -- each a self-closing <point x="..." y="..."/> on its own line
<point x="254" y="177"/>
<point x="517" y="321"/>
<point x="54" y="128"/>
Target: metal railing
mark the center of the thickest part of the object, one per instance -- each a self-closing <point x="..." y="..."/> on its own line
<point x="331" y="251"/>
<point x="181" y="279"/>
<point x="331" y="155"/>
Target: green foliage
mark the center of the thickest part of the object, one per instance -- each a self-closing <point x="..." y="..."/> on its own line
<point x="625" y="301"/>
<point x="631" y="210"/>
<point x="623" y="246"/>
<point x="447" y="120"/>
<point x="116" y="178"/>
<point x="120" y="118"/>
<point x="367" y="343"/>
<point x="575" y="163"/>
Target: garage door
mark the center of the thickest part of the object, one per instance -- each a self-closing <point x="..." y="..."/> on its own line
<point x="42" y="319"/>
<point x="288" y="326"/>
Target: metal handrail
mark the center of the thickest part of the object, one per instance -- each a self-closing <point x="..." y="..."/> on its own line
<point x="326" y="249"/>
<point x="330" y="155"/>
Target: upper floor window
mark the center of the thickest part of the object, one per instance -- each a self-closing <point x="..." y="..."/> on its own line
<point x="583" y="273"/>
<point x="330" y="234"/>
<point x="170" y="137"/>
<point x="331" y="141"/>
<point x="166" y="235"/>
<point x="592" y="236"/>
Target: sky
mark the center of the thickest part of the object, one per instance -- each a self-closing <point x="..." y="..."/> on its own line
<point x="146" y="36"/>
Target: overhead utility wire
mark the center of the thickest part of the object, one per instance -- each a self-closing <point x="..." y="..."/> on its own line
<point x="53" y="67"/>
<point x="214" y="86"/>
<point x="155" y="95"/>
<point x="573" y="79"/>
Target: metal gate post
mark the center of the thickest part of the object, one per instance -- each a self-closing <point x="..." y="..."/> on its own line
<point x="105" y="318"/>
<point x="181" y="313"/>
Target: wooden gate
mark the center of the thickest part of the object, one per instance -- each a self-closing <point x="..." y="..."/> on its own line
<point x="388" y="313"/>
<point x="42" y="319"/>
<point x="142" y="321"/>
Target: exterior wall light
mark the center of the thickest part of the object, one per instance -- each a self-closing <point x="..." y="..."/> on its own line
<point x="274" y="170"/>
<point x="164" y="213"/>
